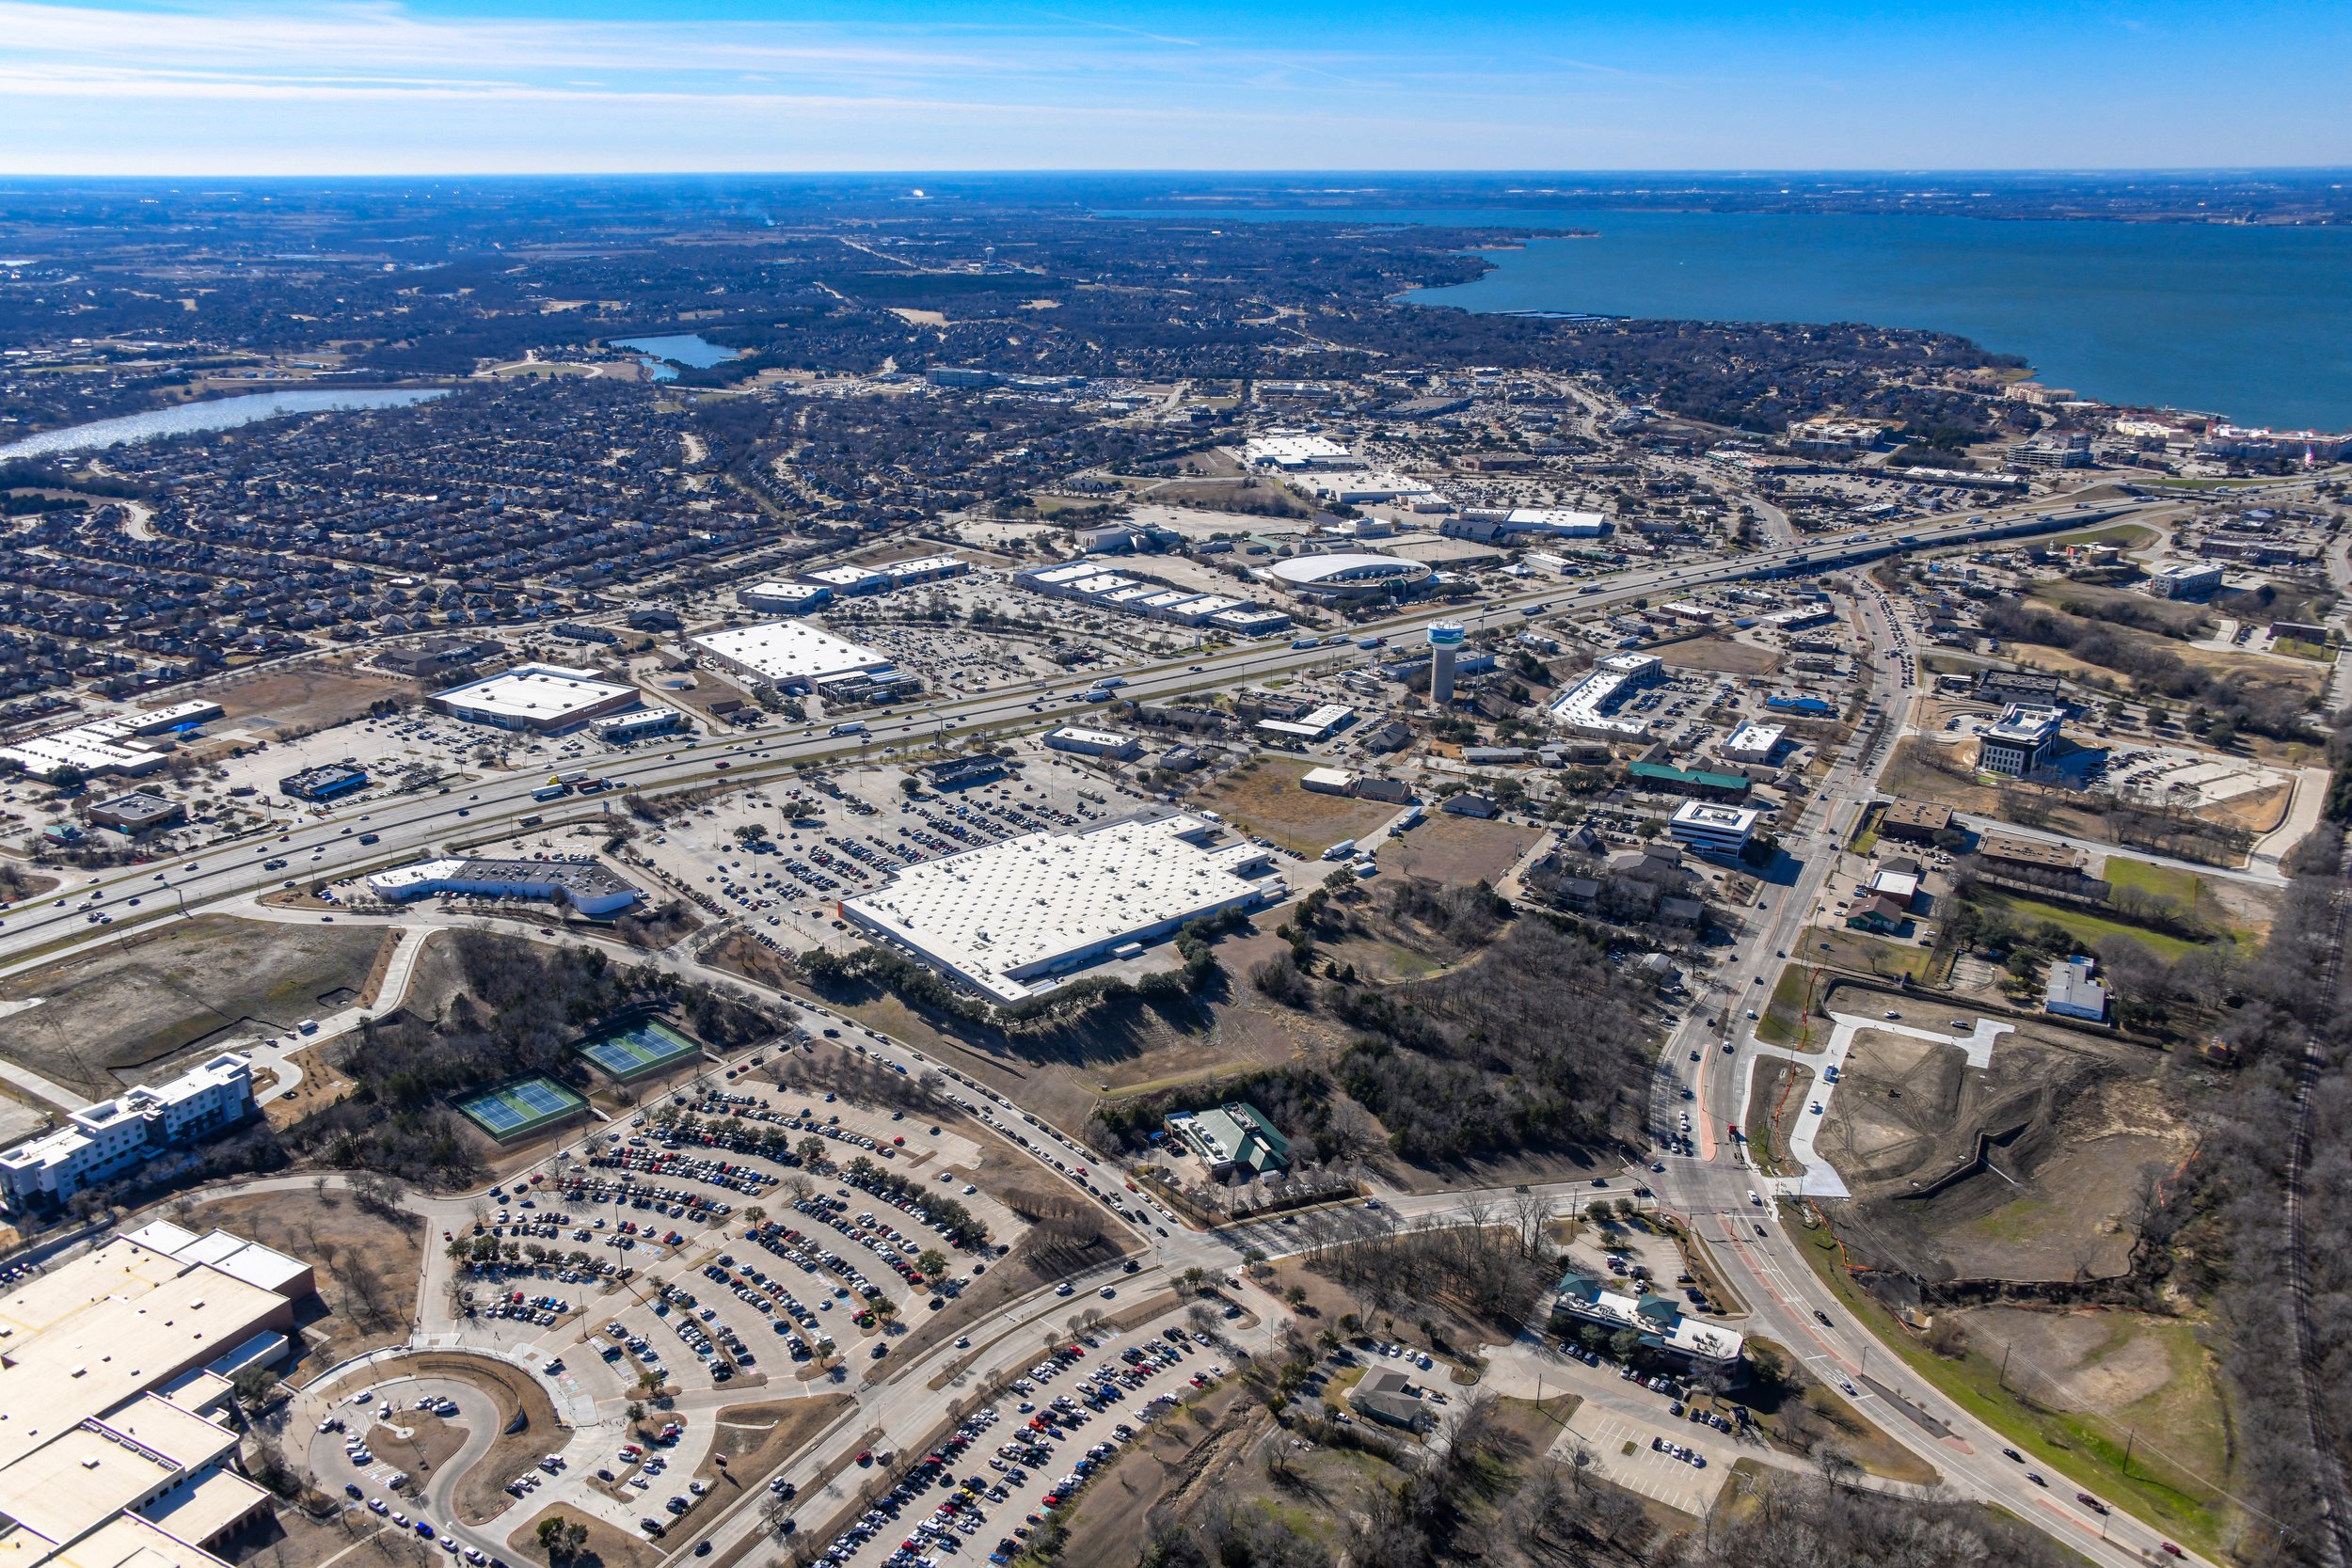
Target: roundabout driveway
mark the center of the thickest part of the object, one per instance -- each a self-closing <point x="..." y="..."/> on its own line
<point x="405" y="1439"/>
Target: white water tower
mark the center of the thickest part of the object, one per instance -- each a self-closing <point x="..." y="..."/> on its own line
<point x="1445" y="636"/>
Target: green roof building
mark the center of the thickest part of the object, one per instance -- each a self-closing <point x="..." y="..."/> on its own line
<point x="1231" y="1137"/>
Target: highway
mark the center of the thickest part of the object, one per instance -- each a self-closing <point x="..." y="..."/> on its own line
<point x="407" y="826"/>
<point x="1763" y="1263"/>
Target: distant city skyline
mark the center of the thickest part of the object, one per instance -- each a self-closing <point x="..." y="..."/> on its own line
<point x="475" y="87"/>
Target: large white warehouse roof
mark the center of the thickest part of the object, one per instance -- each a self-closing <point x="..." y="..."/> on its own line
<point x="1031" y="907"/>
<point x="782" y="651"/>
<point x="1323" y="571"/>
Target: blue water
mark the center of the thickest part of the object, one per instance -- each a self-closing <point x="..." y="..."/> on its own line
<point x="189" y="419"/>
<point x="2248" y="323"/>
<point x="690" y="349"/>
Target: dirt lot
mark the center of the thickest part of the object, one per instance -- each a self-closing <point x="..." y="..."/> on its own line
<point x="1180" y="1456"/>
<point x="607" y="1548"/>
<point x="120" y="1014"/>
<point x="430" y="1442"/>
<point x="291" y="1538"/>
<point x="757" y="1438"/>
<point x="1059" y="1073"/>
<point x="2033" y="1169"/>
<point x="1447" y="848"/>
<point x="1721" y="653"/>
<point x="1263" y="797"/>
<point x="309" y="697"/>
<point x="2148" y="1375"/>
<point x="366" y="1266"/>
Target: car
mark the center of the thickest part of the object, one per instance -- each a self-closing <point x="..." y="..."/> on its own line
<point x="2091" y="1502"/>
<point x="2035" y="1476"/>
<point x="2012" y="1453"/>
<point x="879" y="1352"/>
<point x="1893" y="1013"/>
<point x="2170" y="1549"/>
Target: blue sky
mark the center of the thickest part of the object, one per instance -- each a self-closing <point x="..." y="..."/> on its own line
<point x="380" y="86"/>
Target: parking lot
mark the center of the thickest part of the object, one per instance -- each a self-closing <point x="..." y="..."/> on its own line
<point x="779" y="857"/>
<point x="987" y="1491"/>
<point x="366" y="1449"/>
<point x="1623" y="1446"/>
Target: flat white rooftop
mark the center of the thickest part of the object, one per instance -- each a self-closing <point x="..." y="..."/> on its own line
<point x="537" y="694"/>
<point x="1701" y="820"/>
<point x="1590" y="704"/>
<point x="790" y="651"/>
<point x="1024" y="908"/>
<point x="846" y="577"/>
<point x="1078" y="735"/>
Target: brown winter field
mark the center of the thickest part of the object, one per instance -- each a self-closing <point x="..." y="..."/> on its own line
<point x="124" y="1011"/>
<point x="1263" y="797"/>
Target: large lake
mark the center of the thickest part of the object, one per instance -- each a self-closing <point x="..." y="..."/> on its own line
<point x="191" y="419"/>
<point x="691" y="349"/>
<point x="2254" y="323"/>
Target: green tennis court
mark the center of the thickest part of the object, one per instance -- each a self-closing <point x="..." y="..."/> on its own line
<point x="638" y="1049"/>
<point x="514" y="1110"/>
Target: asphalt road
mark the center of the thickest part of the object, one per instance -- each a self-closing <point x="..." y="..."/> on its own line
<point x="67" y="921"/>
<point x="1764" y="1268"/>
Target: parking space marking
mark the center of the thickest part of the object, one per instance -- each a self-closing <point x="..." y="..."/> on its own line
<point x="1657" y="1476"/>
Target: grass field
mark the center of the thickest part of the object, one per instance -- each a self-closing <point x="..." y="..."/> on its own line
<point x="2087" y="1450"/>
<point x="2164" y="881"/>
<point x="125" y="1008"/>
<point x="1265" y="799"/>
<point x="1784" y="1020"/>
<point x="2087" y="927"/>
<point x="1867" y="955"/>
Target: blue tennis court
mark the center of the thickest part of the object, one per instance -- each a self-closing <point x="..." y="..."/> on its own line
<point x="512" y="1110"/>
<point x="638" y="1049"/>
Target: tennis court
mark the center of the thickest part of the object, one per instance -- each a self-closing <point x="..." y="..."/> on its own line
<point x="514" y="1110"/>
<point x="638" y="1049"/>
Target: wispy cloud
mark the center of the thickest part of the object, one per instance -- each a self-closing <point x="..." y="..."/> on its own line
<point x="346" y="85"/>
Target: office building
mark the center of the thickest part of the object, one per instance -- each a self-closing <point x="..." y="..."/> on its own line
<point x="116" y="1447"/>
<point x="1914" y="821"/>
<point x="2071" y="991"/>
<point x="1706" y="826"/>
<point x="1092" y="743"/>
<point x="1590" y="707"/>
<point x="1754" y="743"/>
<point x="2017" y="744"/>
<point x="589" y="886"/>
<point x="2199" y="579"/>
